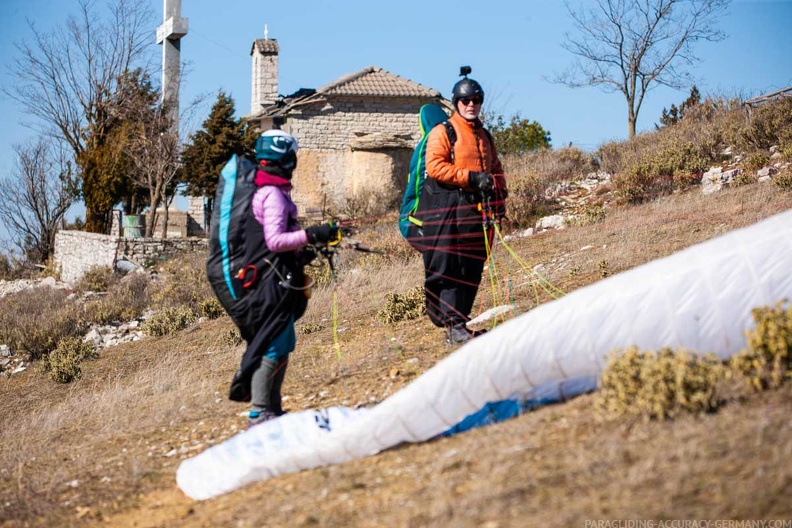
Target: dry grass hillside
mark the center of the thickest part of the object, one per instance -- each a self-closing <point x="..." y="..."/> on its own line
<point x="103" y="449"/>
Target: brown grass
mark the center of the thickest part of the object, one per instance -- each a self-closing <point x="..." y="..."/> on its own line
<point x="104" y="450"/>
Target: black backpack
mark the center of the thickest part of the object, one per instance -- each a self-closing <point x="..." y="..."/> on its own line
<point x="239" y="259"/>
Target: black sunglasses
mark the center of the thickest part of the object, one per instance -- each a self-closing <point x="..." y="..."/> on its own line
<point x="475" y="100"/>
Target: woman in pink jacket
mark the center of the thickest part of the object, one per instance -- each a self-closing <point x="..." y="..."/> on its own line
<point x="267" y="355"/>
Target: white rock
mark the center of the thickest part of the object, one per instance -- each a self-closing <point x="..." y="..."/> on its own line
<point x="491" y="314"/>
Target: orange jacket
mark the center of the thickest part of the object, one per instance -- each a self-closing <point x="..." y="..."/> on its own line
<point x="470" y="150"/>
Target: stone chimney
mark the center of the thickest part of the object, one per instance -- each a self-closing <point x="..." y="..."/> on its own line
<point x="264" y="55"/>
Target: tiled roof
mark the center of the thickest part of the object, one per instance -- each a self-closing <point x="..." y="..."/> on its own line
<point x="374" y="81"/>
<point x="368" y="82"/>
<point x="265" y="46"/>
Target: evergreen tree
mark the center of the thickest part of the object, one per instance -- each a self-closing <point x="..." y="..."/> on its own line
<point x="518" y="136"/>
<point x="208" y="149"/>
<point x="103" y="164"/>
<point x="109" y="175"/>
<point x="674" y="115"/>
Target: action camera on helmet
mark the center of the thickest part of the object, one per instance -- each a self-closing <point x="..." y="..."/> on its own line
<point x="466" y="87"/>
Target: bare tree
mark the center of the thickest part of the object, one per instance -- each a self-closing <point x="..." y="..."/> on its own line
<point x="631" y="46"/>
<point x="67" y="80"/>
<point x="151" y="142"/>
<point x="154" y="151"/>
<point x="36" y="197"/>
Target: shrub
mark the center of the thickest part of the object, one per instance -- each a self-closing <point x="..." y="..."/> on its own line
<point x="231" y="337"/>
<point x="368" y="202"/>
<point x="125" y="301"/>
<point x="635" y="189"/>
<point x="529" y="199"/>
<point x="63" y="363"/>
<point x="755" y="161"/>
<point x="404" y="306"/>
<point x="210" y="308"/>
<point x="169" y="321"/>
<point x="591" y="214"/>
<point x="767" y="360"/>
<point x="566" y="163"/>
<point x="320" y="273"/>
<point x="33" y="321"/>
<point x="51" y="269"/>
<point x="769" y="124"/>
<point x="744" y="178"/>
<point x="783" y="180"/>
<point x="659" y="386"/>
<point x="183" y="283"/>
<point x="310" y="328"/>
<point x="687" y="147"/>
<point x="10" y="268"/>
<point x="671" y="161"/>
<point x="96" y="279"/>
<point x="535" y="179"/>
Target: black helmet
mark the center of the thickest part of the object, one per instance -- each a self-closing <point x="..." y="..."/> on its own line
<point x="466" y="87"/>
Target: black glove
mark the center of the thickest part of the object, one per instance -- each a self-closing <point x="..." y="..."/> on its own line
<point x="305" y="256"/>
<point x="322" y="233"/>
<point x="482" y="182"/>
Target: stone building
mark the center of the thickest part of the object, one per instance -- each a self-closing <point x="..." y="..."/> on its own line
<point x="356" y="134"/>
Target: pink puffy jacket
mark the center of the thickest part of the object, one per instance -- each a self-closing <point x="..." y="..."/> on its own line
<point x="277" y="213"/>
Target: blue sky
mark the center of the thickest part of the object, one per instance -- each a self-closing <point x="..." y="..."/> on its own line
<point x="512" y="45"/>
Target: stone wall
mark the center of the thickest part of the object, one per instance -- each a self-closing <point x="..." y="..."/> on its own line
<point x="264" y="88"/>
<point x="148" y="251"/>
<point x="330" y="179"/>
<point x="334" y="124"/>
<point x="177" y="223"/>
<point x="196" y="216"/>
<point x="379" y="178"/>
<point x="76" y="251"/>
<point x="329" y="173"/>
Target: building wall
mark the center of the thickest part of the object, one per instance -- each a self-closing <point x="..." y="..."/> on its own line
<point x="332" y="179"/>
<point x="334" y="124"/>
<point x="329" y="174"/>
<point x="76" y="251"/>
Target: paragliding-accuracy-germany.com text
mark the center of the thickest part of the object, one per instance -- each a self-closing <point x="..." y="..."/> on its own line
<point x="689" y="523"/>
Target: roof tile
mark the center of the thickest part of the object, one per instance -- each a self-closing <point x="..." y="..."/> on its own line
<point x="265" y="46"/>
<point x="374" y="81"/>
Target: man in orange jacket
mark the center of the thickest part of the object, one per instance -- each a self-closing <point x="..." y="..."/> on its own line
<point x="465" y="184"/>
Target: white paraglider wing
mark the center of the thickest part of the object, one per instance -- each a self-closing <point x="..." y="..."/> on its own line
<point x="700" y="299"/>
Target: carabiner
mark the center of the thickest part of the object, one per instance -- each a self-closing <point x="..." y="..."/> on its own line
<point x="243" y="273"/>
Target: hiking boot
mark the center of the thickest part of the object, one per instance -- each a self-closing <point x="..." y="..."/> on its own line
<point x="255" y="418"/>
<point x="457" y="334"/>
<point x="461" y="334"/>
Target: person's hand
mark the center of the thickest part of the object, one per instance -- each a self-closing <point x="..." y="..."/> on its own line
<point x="482" y="182"/>
<point x="305" y="256"/>
<point x="322" y="233"/>
<point x="501" y="190"/>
